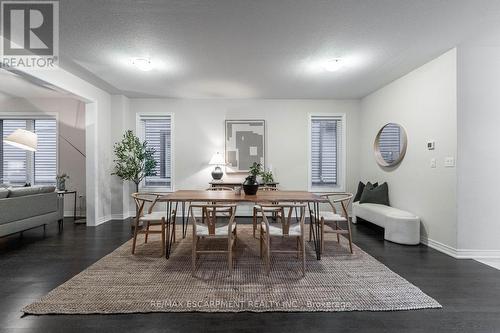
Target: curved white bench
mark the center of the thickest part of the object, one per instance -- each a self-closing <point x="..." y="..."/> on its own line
<point x="399" y="226"/>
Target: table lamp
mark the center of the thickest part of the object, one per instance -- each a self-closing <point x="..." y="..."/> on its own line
<point x="23" y="139"/>
<point x="217" y="160"/>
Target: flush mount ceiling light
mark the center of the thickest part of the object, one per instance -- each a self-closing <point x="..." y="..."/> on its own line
<point x="333" y="65"/>
<point x="144" y="64"/>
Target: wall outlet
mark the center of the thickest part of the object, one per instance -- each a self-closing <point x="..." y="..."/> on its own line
<point x="433" y="162"/>
<point x="449" y="162"/>
<point x="431" y="145"/>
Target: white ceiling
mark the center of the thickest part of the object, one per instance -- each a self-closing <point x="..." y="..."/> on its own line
<point x="14" y="86"/>
<point x="259" y="48"/>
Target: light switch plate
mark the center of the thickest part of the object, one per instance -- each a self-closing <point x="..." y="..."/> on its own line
<point x="449" y="162"/>
<point x="433" y="162"/>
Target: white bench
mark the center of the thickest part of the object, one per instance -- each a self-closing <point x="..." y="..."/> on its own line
<point x="399" y="226"/>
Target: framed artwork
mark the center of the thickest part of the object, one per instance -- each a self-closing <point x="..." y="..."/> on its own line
<point x="245" y="144"/>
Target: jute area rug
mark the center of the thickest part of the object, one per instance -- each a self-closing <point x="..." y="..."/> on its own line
<point x="145" y="282"/>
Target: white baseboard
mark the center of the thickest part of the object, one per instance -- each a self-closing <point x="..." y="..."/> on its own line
<point x="446" y="249"/>
<point x="478" y="254"/>
<point x="122" y="216"/>
<point x="103" y="219"/>
<point x="460" y="253"/>
<point x="69" y="213"/>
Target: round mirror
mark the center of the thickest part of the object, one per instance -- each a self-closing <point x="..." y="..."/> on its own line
<point x="390" y="145"/>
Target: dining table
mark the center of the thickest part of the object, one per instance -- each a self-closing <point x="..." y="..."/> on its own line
<point x="186" y="197"/>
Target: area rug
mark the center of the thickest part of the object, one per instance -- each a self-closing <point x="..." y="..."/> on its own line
<point x="145" y="282"/>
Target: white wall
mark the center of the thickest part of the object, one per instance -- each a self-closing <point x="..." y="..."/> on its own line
<point x="98" y="162"/>
<point x="199" y="133"/>
<point x="424" y="102"/>
<point x="479" y="144"/>
<point x="120" y="191"/>
<point x="71" y="125"/>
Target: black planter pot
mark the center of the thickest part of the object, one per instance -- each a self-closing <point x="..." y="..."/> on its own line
<point x="250" y="186"/>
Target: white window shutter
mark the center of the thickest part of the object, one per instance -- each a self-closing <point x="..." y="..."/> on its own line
<point x="14" y="160"/>
<point x="157" y="133"/>
<point x="45" y="158"/>
<point x="326" y="150"/>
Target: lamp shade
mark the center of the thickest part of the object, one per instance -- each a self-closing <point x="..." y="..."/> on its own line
<point x="23" y="139"/>
<point x="217" y="159"/>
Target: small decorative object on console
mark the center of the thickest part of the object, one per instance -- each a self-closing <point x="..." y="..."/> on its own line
<point x="61" y="181"/>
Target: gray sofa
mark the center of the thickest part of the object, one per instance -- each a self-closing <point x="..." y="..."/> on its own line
<point x="24" y="208"/>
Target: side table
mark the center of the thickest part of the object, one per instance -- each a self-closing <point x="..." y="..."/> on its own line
<point x="63" y="194"/>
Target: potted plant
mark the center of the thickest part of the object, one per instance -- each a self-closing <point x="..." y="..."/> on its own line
<point x="134" y="159"/>
<point x="267" y="177"/>
<point x="61" y="181"/>
<point x="250" y="185"/>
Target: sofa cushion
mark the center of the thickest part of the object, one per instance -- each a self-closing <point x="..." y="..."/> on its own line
<point x="3" y="193"/>
<point x="23" y="191"/>
<point x="22" y="207"/>
<point x="375" y="194"/>
<point x="46" y="189"/>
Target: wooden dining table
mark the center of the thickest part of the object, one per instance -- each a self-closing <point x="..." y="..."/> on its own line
<point x="184" y="197"/>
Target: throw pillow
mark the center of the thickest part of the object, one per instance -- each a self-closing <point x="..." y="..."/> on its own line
<point x="361" y="187"/>
<point x="3" y="193"/>
<point x="376" y="195"/>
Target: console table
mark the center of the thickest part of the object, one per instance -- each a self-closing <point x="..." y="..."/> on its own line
<point x="233" y="184"/>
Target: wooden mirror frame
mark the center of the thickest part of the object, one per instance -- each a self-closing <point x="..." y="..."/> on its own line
<point x="378" y="156"/>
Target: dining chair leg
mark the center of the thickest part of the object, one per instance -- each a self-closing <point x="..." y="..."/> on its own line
<point x="254" y="221"/>
<point x="193" y="254"/>
<point x="298" y="247"/>
<point x="162" y="237"/>
<point x="197" y="242"/>
<point x="147" y="233"/>
<point x="173" y="229"/>
<point x="310" y="229"/>
<point x="135" y="235"/>
<point x="350" y="235"/>
<point x="268" y="254"/>
<point x="168" y="239"/>
<point x="303" y="256"/>
<point x="322" y="234"/>
<point x="337" y="228"/>
<point x="230" y="255"/>
<point x="261" y="242"/>
<point x="235" y="235"/>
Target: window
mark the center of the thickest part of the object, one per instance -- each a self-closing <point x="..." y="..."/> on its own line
<point x="14" y="160"/>
<point x="45" y="158"/>
<point x="156" y="130"/>
<point x="18" y="166"/>
<point x="327" y="153"/>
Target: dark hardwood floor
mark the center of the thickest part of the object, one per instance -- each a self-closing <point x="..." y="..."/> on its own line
<point x="36" y="263"/>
